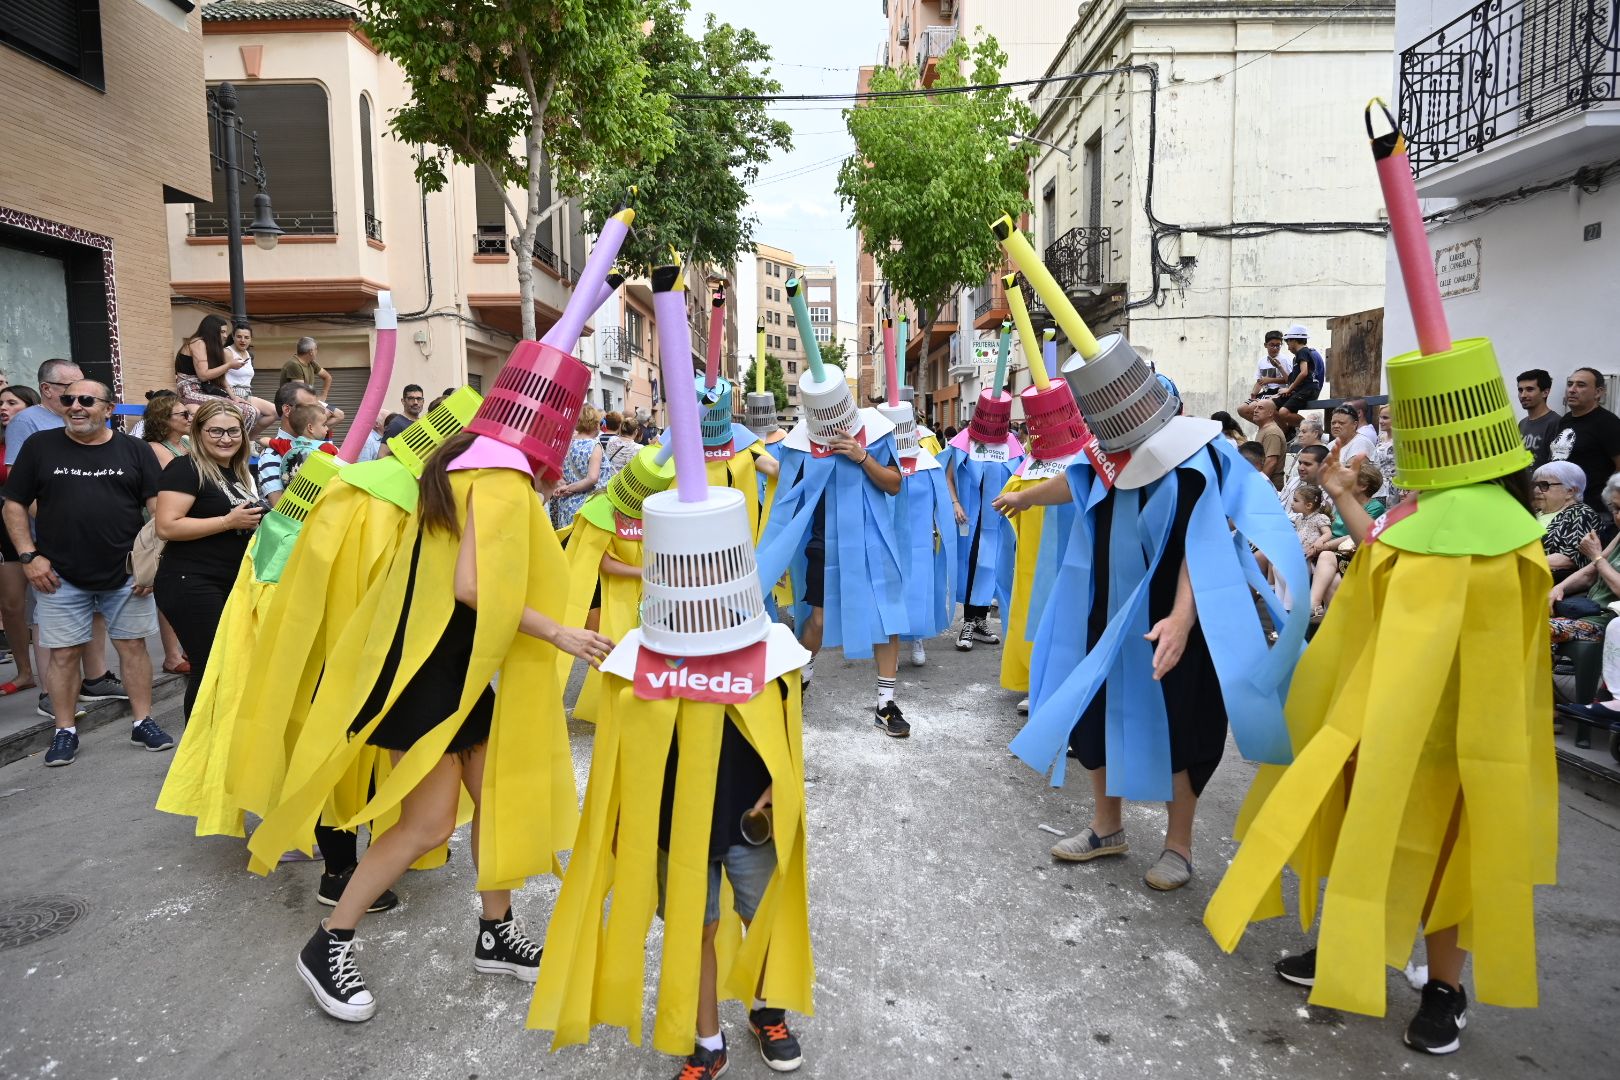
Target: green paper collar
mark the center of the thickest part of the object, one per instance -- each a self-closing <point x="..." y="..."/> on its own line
<point x="1477" y="519"/>
<point x="599" y="512"/>
<point x="385" y="478"/>
<point x="272" y="545"/>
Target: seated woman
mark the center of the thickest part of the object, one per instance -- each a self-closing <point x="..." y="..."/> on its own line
<point x="1580" y="603"/>
<point x="1561" y="487"/>
<point x="1329" y="558"/>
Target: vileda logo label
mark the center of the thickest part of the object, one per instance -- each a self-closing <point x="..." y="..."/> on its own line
<point x="1108" y="465"/>
<point x="719" y="453"/>
<point x="908" y="465"/>
<point x="725" y="680"/>
<point x="1400" y="513"/>
<point x="817" y="450"/>
<point x="628" y="528"/>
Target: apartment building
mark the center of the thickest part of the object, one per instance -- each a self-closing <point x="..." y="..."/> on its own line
<point x="773" y="268"/>
<point x="318" y="95"/>
<point x="104" y="124"/>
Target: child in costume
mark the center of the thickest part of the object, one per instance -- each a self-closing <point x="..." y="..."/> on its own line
<point x="831" y="521"/>
<point x="1452" y="816"/>
<point x="978" y="463"/>
<point x="1158" y="642"/>
<point x="604" y="562"/>
<point x="697" y="776"/>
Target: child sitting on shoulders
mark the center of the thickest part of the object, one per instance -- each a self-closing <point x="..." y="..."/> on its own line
<point x="308" y="425"/>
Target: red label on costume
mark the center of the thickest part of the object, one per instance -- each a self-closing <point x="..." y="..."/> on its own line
<point x="1385" y="520"/>
<point x="817" y="450"/>
<point x="725" y="680"/>
<point x="908" y="466"/>
<point x="627" y="528"/>
<point x="1107" y="464"/>
<point x="719" y="453"/>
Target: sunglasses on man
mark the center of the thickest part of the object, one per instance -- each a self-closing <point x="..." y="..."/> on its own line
<point x="89" y="401"/>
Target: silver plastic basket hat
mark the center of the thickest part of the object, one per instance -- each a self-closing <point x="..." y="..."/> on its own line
<point x="829" y="407"/>
<point x="700" y="591"/>
<point x="715" y="422"/>
<point x="904" y="419"/>
<point x="1122" y="401"/>
<point x="643" y="476"/>
<point x="761" y="413"/>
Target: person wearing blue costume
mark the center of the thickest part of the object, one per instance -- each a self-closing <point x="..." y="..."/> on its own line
<point x="1139" y="679"/>
<point x="978" y="463"/>
<point x="831" y="522"/>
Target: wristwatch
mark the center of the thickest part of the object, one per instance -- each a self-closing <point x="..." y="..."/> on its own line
<point x="26" y="557"/>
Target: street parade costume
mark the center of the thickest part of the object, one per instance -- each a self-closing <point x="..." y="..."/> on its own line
<point x="709" y="675"/>
<point x="1447" y="601"/>
<point x="1155" y="488"/>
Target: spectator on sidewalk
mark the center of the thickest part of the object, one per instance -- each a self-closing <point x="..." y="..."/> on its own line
<point x="1561" y="490"/>
<point x="1271" y="439"/>
<point x="411" y="401"/>
<point x="1230" y="428"/>
<point x="166" y="428"/>
<point x="1270" y="376"/>
<point x="1309" y="374"/>
<point x="306" y="369"/>
<point x="1588" y="436"/>
<point x="13" y="583"/>
<point x="373" y="447"/>
<point x="1348" y="439"/>
<point x="582" y="469"/>
<point x="1540" y="423"/>
<point x="290" y="396"/>
<point x="88" y="485"/>
<point x="1307" y="466"/>
<point x="199" y="372"/>
<point x="239" y="355"/>
<point x="207" y="509"/>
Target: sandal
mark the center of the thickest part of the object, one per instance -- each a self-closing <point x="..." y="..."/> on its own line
<point x="7" y="689"/>
<point x="182" y="668"/>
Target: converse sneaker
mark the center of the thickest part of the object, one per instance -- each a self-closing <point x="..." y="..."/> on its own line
<point x="919" y="655"/>
<point x="44" y="709"/>
<point x="891" y="723"/>
<point x="148" y="736"/>
<point x="327" y="967"/>
<point x="776" y="1043"/>
<point x="980" y="629"/>
<point x="1299" y="970"/>
<point x="964" y="639"/>
<point x="1437" y="1027"/>
<point x="64" y="749"/>
<point x="106" y="688"/>
<point x="503" y="949"/>
<point x="703" y="1064"/>
<point x="331" y="889"/>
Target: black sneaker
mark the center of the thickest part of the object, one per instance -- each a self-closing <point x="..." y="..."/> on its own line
<point x="1437" y="1027"/>
<point x="331" y="891"/>
<point x="891" y="723"/>
<point x="106" y="688"/>
<point x="503" y="949"/>
<point x="64" y="749"/>
<point x="980" y="629"/>
<point x="964" y="640"/>
<point x="703" y="1064"/>
<point x="148" y="736"/>
<point x="776" y="1043"/>
<point x="44" y="709"/>
<point x="1299" y="970"/>
<point x="326" y="964"/>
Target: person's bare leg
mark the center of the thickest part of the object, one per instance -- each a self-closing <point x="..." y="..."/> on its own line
<point x="62" y="682"/>
<point x="136" y="664"/>
<point x="811" y="637"/>
<point x="1107" y="811"/>
<point x="593" y="621"/>
<point x="427" y="817"/>
<point x="496" y="902"/>
<point x="173" y="654"/>
<point x="1178" y="833"/>
<point x="1446" y="957"/>
<point x="887" y="657"/>
<point x="708" y="1011"/>
<point x="14" y="610"/>
<point x="94" y="657"/>
<point x="1322" y="571"/>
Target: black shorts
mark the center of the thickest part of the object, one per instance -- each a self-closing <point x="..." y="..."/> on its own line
<point x="1300" y="398"/>
<point x="815" y="576"/>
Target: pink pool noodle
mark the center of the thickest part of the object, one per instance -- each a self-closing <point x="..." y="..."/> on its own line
<point x="1411" y="239"/>
<point x="717" y="327"/>
<point x="891" y="364"/>
<point x="382" y="370"/>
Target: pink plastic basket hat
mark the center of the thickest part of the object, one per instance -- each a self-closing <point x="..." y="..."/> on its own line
<point x="1055" y="427"/>
<point x="991" y="418"/>
<point x="534" y="405"/>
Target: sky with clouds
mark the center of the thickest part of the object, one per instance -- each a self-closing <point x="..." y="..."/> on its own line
<point x="817" y="49"/>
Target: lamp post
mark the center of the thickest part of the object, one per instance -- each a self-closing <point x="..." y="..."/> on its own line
<point x="228" y="134"/>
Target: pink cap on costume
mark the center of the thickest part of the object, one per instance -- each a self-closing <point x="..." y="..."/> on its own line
<point x="534" y="404"/>
<point x="487" y="453"/>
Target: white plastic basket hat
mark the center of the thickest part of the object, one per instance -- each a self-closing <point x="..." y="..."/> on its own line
<point x="715" y="401"/>
<point x="829" y="407"/>
<point x="700" y="592"/>
<point x="904" y="419"/>
<point x="1122" y="400"/>
<point x="761" y="413"/>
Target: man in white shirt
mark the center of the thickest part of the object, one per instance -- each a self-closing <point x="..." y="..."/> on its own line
<point x="1271" y="374"/>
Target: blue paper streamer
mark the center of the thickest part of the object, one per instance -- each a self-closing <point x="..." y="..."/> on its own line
<point x="922" y="509"/>
<point x="977" y="485"/>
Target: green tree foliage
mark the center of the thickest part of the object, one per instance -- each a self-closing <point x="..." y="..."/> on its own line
<point x="929" y="174"/>
<point x="832" y="352"/>
<point x="693" y="197"/>
<point x="775" y="381"/>
<point x="522" y="87"/>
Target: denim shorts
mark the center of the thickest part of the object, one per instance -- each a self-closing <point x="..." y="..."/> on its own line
<point x="749" y="870"/>
<point x="64" y="616"/>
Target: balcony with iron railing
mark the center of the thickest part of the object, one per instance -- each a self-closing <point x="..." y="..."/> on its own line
<point x="292" y="222"/>
<point x="373" y="227"/>
<point x="1079" y="260"/>
<point x="931" y="45"/>
<point x="990" y="301"/>
<point x="616" y="350"/>
<point x="1510" y="90"/>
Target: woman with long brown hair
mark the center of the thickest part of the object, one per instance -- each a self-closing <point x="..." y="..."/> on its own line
<point x="199" y="373"/>
<point x="166" y="427"/>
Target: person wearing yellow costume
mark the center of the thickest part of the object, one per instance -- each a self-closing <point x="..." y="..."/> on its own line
<point x="604" y="562"/>
<point x="696" y="783"/>
<point x="1451" y="818"/>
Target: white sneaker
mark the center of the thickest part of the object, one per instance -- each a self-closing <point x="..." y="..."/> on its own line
<point x="919" y="655"/>
<point x="1023" y="706"/>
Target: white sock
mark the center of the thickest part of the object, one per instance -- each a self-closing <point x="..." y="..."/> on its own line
<point x="757" y="1005"/>
<point x="71" y="729"/>
<point x="885" y="689"/>
<point x="712" y="1042"/>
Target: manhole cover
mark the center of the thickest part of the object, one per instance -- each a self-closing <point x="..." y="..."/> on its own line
<point x="28" y="919"/>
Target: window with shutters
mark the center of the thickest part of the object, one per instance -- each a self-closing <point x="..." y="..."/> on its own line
<point x="368" y="192"/>
<point x="578" y="252"/>
<point x="65" y="34"/>
<point x="490" y="209"/>
<point x="293" y="127"/>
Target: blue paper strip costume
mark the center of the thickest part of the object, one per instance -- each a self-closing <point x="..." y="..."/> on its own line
<point x="978" y="482"/>
<point x="922" y="510"/>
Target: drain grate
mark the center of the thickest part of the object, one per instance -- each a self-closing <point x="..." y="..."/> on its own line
<point x="28" y="919"/>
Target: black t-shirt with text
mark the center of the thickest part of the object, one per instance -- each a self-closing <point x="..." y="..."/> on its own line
<point x="1590" y="443"/>
<point x="91" y="502"/>
<point x="216" y="556"/>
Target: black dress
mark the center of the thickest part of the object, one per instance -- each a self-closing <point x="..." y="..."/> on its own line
<point x="434" y="692"/>
<point x="1192" y="690"/>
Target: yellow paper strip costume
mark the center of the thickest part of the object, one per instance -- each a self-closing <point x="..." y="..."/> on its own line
<point x="588" y="541"/>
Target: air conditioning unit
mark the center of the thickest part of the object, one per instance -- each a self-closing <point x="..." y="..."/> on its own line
<point x="947" y="9"/>
<point x="905" y="33"/>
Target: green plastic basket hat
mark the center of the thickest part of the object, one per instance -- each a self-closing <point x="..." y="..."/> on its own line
<point x="1452" y="418"/>
<point x="416" y="444"/>
<point x="642" y="477"/>
<point x="311" y="479"/>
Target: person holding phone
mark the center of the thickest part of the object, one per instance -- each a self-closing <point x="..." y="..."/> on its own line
<point x="207" y="509"/>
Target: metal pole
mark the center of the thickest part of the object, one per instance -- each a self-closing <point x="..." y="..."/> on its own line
<point x="225" y="94"/>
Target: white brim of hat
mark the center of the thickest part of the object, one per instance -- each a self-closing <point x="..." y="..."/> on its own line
<point x="1166" y="448"/>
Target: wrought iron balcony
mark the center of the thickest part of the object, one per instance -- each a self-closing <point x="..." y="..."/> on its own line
<point x="1503" y="68"/>
<point x="933" y="43"/>
<point x="616" y="348"/>
<point x="490" y="240"/>
<point x="374" y="227"/>
<point x="1079" y="259"/>
<point x="293" y="223"/>
<point x="905" y="32"/>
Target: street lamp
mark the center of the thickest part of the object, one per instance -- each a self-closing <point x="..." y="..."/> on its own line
<point x="1030" y="138"/>
<point x="228" y="134"/>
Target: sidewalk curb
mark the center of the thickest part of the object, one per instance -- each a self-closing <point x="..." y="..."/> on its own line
<point x="37" y="737"/>
<point x="1597" y="779"/>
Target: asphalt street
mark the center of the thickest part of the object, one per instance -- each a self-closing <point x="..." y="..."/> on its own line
<point x="947" y="942"/>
